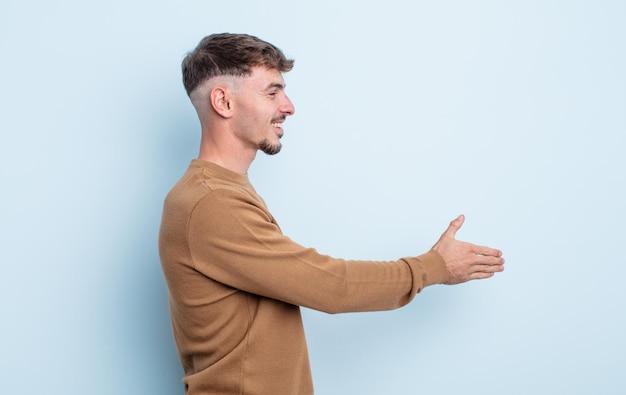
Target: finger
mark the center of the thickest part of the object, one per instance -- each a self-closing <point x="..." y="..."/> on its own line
<point x="480" y="275"/>
<point x="486" y="272"/>
<point x="487" y="251"/>
<point x="454" y="226"/>
<point x="480" y="260"/>
<point x="489" y="268"/>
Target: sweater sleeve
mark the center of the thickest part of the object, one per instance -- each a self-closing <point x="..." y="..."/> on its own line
<point x="234" y="240"/>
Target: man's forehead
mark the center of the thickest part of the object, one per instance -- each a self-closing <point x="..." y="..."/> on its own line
<point x="264" y="78"/>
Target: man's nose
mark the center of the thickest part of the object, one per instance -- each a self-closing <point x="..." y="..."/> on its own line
<point x="287" y="106"/>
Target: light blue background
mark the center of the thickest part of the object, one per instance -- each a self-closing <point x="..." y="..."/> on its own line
<point x="407" y="114"/>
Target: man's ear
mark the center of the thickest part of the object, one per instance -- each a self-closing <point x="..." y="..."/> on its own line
<point x="220" y="101"/>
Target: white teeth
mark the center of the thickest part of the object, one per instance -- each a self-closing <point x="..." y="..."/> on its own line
<point x="277" y="125"/>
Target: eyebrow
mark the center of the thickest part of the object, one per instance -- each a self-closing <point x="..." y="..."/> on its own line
<point x="276" y="85"/>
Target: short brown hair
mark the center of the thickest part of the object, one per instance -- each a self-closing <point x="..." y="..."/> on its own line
<point x="230" y="54"/>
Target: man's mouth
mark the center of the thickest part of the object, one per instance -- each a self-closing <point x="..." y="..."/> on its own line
<point x="278" y="122"/>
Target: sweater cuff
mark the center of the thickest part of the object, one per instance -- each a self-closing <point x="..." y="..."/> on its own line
<point x="428" y="269"/>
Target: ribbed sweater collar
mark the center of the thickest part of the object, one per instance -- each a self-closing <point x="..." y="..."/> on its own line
<point x="220" y="172"/>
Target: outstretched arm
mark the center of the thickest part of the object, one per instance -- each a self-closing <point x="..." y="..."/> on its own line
<point x="465" y="261"/>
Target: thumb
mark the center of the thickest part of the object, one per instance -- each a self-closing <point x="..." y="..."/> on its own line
<point x="455" y="225"/>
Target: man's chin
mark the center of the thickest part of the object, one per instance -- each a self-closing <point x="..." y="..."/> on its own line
<point x="269" y="148"/>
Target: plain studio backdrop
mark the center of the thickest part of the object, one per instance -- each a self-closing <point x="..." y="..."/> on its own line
<point x="408" y="113"/>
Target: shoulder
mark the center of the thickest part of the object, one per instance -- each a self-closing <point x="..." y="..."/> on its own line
<point x="197" y="186"/>
<point x="227" y="203"/>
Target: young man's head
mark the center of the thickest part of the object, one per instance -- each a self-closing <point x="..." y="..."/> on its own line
<point x="235" y="83"/>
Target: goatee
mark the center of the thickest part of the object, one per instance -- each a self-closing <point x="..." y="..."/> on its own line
<point x="269" y="148"/>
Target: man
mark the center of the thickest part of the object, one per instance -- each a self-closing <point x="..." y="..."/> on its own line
<point x="235" y="281"/>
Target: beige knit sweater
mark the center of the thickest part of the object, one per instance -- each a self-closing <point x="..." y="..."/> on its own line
<point x="236" y="283"/>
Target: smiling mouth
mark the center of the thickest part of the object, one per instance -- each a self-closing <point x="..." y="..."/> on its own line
<point x="278" y="122"/>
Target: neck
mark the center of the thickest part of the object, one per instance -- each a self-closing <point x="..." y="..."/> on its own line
<point x="227" y="156"/>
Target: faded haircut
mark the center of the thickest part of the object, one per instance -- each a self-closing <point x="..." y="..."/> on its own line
<point x="232" y="55"/>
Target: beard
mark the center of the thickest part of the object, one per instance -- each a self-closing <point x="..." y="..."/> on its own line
<point x="269" y="148"/>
